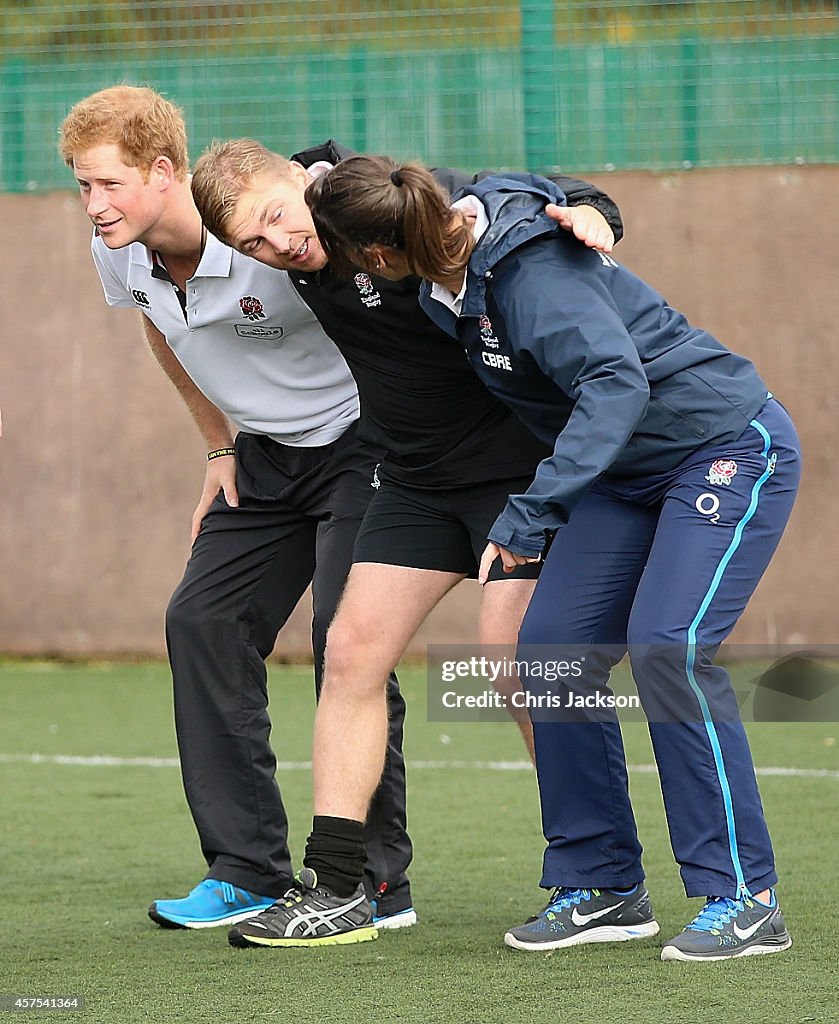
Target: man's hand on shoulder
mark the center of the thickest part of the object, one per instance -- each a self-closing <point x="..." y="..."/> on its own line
<point x="587" y="224"/>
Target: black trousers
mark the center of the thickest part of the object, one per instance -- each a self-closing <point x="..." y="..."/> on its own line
<point x="298" y="515"/>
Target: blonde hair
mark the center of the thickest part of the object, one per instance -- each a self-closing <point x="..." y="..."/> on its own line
<point x="226" y="170"/>
<point x="367" y="201"/>
<point x="137" y="119"/>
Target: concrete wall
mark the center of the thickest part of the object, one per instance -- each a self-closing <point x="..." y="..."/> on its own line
<point x="101" y="467"/>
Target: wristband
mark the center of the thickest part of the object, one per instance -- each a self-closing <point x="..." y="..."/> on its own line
<point x="219" y="452"/>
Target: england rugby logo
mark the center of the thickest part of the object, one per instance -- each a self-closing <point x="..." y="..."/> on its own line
<point x="364" y="284"/>
<point x="722" y="471"/>
<point x="252" y="308"/>
<point x="487" y="333"/>
<point x="366" y="291"/>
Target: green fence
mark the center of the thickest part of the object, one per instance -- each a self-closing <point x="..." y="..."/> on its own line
<point x="536" y="84"/>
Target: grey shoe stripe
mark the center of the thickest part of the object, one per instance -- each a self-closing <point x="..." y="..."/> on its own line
<point x="310" y="920"/>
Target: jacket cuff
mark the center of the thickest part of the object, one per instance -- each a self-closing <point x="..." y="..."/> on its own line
<point x="604" y="206"/>
<point x="506" y="536"/>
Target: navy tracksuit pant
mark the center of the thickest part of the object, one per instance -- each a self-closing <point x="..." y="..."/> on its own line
<point x="661" y="567"/>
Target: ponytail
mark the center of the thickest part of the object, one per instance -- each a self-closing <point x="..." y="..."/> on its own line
<point x="367" y="201"/>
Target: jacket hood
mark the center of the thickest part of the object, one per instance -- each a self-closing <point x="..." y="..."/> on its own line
<point x="515" y="206"/>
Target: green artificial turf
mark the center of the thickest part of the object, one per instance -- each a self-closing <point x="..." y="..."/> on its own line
<point x="86" y="847"/>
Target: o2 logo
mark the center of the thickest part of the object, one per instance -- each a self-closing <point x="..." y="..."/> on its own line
<point x="708" y="505"/>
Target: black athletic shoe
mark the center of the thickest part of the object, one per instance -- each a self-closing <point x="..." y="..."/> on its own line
<point x="726" y="928"/>
<point x="575" y="916"/>
<point x="309" y="915"/>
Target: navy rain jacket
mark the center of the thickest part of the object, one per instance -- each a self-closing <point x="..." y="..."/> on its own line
<point x="588" y="355"/>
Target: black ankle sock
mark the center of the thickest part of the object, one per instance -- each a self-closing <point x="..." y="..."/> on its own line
<point x="336" y="851"/>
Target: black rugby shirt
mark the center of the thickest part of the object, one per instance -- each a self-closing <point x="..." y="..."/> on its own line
<point x="421" y="402"/>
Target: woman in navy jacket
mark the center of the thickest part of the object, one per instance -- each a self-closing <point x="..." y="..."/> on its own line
<point x="672" y="477"/>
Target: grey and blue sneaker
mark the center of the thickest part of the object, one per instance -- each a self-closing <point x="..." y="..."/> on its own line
<point x="309" y="915"/>
<point x="210" y="904"/>
<point x="576" y="916"/>
<point x="726" y="927"/>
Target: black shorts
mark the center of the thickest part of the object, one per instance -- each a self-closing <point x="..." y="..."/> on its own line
<point x="444" y="530"/>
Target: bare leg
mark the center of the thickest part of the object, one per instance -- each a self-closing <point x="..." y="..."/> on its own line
<point x="382" y="607"/>
<point x="503" y="606"/>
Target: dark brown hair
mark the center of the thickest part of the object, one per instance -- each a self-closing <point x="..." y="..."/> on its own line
<point x="365" y="201"/>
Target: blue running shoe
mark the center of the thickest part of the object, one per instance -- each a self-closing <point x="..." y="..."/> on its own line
<point x="726" y="928"/>
<point x="211" y="904"/>
<point x="393" y="908"/>
<point x="390" y="920"/>
<point x="575" y="916"/>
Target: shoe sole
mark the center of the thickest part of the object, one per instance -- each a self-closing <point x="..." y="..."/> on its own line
<point x="176" y="921"/>
<point x="605" y="933"/>
<point x="404" y="919"/>
<point x="674" y="953"/>
<point x="339" y="939"/>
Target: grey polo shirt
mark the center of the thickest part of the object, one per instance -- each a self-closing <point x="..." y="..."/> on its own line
<point x="246" y="339"/>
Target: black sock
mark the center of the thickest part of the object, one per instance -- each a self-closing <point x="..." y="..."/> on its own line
<point x="336" y="851"/>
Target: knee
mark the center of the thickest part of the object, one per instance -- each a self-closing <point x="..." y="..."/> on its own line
<point x="353" y="658"/>
<point x="191" y="619"/>
<point x="655" y="644"/>
<point x="648" y="652"/>
<point x="663" y="663"/>
<point x="182" y="613"/>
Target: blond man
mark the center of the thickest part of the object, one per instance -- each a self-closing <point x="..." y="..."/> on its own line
<point x="454" y="454"/>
